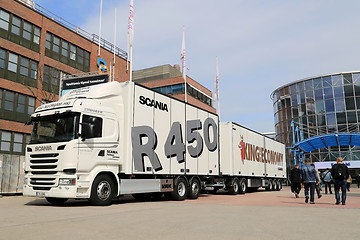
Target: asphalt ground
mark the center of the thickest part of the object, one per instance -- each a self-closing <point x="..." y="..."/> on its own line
<point x="257" y="215"/>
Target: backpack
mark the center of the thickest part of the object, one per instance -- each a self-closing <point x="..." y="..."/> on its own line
<point x="340" y="172"/>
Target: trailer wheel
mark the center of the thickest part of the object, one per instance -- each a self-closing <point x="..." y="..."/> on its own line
<point x="234" y="186"/>
<point x="102" y="191"/>
<point x="56" y="201"/>
<point x="270" y="185"/>
<point x="180" y="190"/>
<point x="243" y="186"/>
<point x="194" y="188"/>
<point x="278" y="185"/>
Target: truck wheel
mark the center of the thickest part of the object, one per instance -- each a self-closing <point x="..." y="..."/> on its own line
<point x="194" y="188"/>
<point x="270" y="185"/>
<point x="234" y="187"/>
<point x="278" y="185"/>
<point x="56" y="201"/>
<point x="102" y="191"/>
<point x="180" y="190"/>
<point x="243" y="186"/>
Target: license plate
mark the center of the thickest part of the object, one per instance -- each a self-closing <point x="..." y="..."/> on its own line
<point x="40" y="194"/>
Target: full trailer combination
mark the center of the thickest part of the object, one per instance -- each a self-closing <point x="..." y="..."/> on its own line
<point x="111" y="139"/>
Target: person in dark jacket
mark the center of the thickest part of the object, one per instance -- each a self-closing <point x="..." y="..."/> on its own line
<point x="358" y="180"/>
<point x="310" y="179"/>
<point x="295" y="178"/>
<point x="340" y="173"/>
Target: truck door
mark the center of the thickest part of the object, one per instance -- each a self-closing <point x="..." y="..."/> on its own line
<point x="101" y="146"/>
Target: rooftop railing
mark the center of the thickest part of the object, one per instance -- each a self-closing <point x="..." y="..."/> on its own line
<point x="91" y="37"/>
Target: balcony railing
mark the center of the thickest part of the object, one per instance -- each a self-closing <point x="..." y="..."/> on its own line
<point x="91" y="37"/>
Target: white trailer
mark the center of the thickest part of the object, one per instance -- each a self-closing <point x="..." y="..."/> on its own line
<point x="111" y="139"/>
<point x="252" y="159"/>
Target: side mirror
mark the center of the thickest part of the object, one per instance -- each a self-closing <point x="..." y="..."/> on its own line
<point x="87" y="131"/>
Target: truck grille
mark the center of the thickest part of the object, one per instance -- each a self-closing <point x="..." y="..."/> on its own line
<point x="43" y="163"/>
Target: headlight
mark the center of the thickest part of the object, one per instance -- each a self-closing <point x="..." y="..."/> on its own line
<point x="67" y="181"/>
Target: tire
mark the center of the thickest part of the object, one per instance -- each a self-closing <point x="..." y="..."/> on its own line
<point x="102" y="191"/>
<point x="180" y="190"/>
<point x="234" y="186"/>
<point x="243" y="186"/>
<point x="279" y="185"/>
<point x="270" y="186"/>
<point x="194" y="188"/>
<point x="56" y="201"/>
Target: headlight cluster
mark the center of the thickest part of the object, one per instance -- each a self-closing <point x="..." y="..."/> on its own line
<point x="67" y="181"/>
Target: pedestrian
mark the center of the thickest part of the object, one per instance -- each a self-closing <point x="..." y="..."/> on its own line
<point x="317" y="186"/>
<point x="340" y="173"/>
<point x="310" y="179"/>
<point x="348" y="182"/>
<point x="358" y="180"/>
<point x="295" y="178"/>
<point x="327" y="178"/>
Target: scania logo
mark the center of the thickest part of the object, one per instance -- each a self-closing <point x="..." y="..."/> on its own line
<point x="43" y="148"/>
<point x="152" y="103"/>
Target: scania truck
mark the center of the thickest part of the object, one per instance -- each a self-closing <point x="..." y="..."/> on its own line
<point x="103" y="141"/>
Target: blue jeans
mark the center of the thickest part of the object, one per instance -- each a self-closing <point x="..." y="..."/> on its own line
<point x="310" y="185"/>
<point x="337" y="185"/>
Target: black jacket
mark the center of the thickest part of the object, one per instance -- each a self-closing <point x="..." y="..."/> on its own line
<point x="341" y="167"/>
<point x="295" y="175"/>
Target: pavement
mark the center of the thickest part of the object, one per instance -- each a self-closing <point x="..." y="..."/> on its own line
<point x="257" y="215"/>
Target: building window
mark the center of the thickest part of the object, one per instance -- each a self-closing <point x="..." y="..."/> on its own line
<point x="4" y="20"/>
<point x="21" y="103"/>
<point x="31" y="105"/>
<point x="18" y="143"/>
<point x="27" y="31"/>
<point x="33" y="71"/>
<point x="37" y="33"/>
<point x="72" y="52"/>
<point x="48" y="41"/>
<point x="80" y="56"/>
<point x="56" y="44"/>
<point x="2" y="58"/>
<point x="65" y="48"/>
<point x="15" y="26"/>
<point x="9" y="100"/>
<point x="13" y="61"/>
<point x="5" y="141"/>
<point x="24" y="66"/>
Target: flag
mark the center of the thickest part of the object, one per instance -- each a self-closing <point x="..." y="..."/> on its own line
<point x="183" y="62"/>
<point x="131" y="24"/>
<point x="217" y="81"/>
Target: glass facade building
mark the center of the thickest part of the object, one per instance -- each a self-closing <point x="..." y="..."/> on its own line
<point x="319" y="105"/>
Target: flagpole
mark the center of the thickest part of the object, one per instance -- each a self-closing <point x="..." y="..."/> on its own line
<point x="131" y="35"/>
<point x="217" y="87"/>
<point x="183" y="62"/>
<point x="114" y="44"/>
<point x="100" y="27"/>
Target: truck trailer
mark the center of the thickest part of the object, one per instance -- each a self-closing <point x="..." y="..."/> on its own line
<point x="103" y="141"/>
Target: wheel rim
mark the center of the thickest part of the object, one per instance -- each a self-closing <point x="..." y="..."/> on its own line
<point x="103" y="190"/>
<point x="236" y="186"/>
<point x="243" y="186"/>
<point x="195" y="188"/>
<point x="181" y="189"/>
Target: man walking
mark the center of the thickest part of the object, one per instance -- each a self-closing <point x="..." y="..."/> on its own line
<point x="310" y="179"/>
<point x="295" y="178"/>
<point x="327" y="177"/>
<point x="340" y="173"/>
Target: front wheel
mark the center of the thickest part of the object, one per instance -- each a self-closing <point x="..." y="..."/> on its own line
<point x="102" y="191"/>
<point x="56" y="201"/>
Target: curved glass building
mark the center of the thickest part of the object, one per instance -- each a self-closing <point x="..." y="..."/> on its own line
<point x="319" y="105"/>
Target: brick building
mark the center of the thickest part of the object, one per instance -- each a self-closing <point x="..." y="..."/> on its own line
<point x="168" y="79"/>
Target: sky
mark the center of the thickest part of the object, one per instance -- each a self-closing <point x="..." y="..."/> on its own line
<point x="261" y="44"/>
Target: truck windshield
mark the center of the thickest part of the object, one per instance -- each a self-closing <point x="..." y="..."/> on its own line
<point x="55" y="128"/>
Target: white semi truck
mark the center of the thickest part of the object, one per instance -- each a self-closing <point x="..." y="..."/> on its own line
<point x="112" y="139"/>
